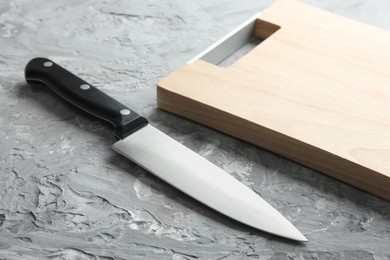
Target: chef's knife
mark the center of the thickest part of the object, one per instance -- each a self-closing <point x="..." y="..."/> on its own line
<point x="163" y="156"/>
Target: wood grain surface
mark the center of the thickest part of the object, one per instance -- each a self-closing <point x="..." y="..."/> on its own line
<point x="316" y="90"/>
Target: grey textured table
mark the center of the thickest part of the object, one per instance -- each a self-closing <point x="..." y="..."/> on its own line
<point x="66" y="195"/>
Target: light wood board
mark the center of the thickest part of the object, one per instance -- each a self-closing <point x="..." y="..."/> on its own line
<point x="316" y="90"/>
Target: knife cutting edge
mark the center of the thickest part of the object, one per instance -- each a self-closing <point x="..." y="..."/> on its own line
<point x="162" y="155"/>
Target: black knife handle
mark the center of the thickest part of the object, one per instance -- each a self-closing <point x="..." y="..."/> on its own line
<point x="84" y="95"/>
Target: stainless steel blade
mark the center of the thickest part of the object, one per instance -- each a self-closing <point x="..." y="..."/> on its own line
<point x="202" y="180"/>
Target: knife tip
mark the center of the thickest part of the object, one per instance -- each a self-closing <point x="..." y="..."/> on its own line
<point x="299" y="237"/>
<point x="292" y="233"/>
<point x="303" y="239"/>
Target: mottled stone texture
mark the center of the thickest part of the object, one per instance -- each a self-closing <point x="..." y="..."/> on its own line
<point x="66" y="195"/>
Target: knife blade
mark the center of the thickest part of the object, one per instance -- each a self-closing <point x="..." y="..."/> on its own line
<point x="162" y="155"/>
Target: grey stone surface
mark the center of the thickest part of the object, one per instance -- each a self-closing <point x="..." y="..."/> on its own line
<point x="66" y="195"/>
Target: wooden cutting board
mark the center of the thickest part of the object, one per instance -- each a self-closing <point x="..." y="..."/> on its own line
<point x="316" y="90"/>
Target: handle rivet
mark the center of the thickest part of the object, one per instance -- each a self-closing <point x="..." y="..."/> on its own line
<point x="125" y="112"/>
<point x="48" y="64"/>
<point x="85" y="86"/>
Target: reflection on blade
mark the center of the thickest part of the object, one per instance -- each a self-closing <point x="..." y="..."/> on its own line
<point x="202" y="180"/>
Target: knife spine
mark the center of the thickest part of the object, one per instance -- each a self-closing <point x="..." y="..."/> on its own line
<point x="84" y="96"/>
